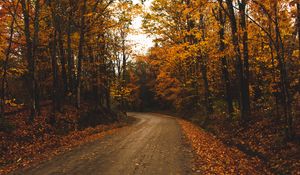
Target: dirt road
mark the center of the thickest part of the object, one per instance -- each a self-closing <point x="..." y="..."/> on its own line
<point x="153" y="145"/>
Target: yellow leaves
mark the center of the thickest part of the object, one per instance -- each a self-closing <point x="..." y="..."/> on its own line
<point x="89" y="14"/>
<point x="121" y="91"/>
<point x="167" y="87"/>
<point x="187" y="11"/>
<point x="12" y="103"/>
<point x="295" y="53"/>
<point x="16" y="71"/>
<point x="76" y="35"/>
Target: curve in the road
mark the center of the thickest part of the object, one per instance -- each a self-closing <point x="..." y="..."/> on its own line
<point x="153" y="145"/>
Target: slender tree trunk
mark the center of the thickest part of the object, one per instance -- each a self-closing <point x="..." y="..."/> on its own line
<point x="273" y="68"/>
<point x="124" y="60"/>
<point x="245" y="89"/>
<point x="95" y="79"/>
<point x="239" y="62"/>
<point x="101" y="76"/>
<point x="203" y="67"/>
<point x="35" y="52"/>
<point x="107" y="95"/>
<point x="30" y="60"/>
<point x="222" y="19"/>
<point x="207" y="93"/>
<point x="63" y="60"/>
<point x="283" y="77"/>
<point x="80" y="52"/>
<point x="124" y="68"/>
<point x="107" y="88"/>
<point x="298" y="27"/>
<point x="53" y="52"/>
<point x="55" y="98"/>
<point x="71" y="73"/>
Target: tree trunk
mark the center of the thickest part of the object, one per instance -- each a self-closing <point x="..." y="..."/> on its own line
<point x="298" y="27"/>
<point x="71" y="73"/>
<point x="245" y="89"/>
<point x="80" y="52"/>
<point x="203" y="67"/>
<point x="30" y="60"/>
<point x="55" y="96"/>
<point x="107" y="87"/>
<point x="53" y="52"/>
<point x="35" y="51"/>
<point x="222" y="19"/>
<point x="63" y="60"/>
<point x="276" y="97"/>
<point x="239" y="63"/>
<point x="124" y="69"/>
<point x="207" y="93"/>
<point x="283" y="78"/>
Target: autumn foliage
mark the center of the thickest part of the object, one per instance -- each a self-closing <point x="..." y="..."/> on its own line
<point x="63" y="71"/>
<point x="230" y="66"/>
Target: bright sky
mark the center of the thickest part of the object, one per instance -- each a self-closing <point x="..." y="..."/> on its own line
<point x="140" y="40"/>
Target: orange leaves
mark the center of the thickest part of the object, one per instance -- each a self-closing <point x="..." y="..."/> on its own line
<point x="213" y="157"/>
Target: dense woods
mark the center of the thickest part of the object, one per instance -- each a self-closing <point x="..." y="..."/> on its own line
<point x="68" y="52"/>
<point x="235" y="57"/>
<point x="63" y="69"/>
<point x="231" y="66"/>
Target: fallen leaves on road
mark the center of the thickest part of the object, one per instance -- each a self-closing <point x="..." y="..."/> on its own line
<point x="213" y="157"/>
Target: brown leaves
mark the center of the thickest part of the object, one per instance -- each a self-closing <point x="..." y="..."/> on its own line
<point x="213" y="157"/>
<point x="28" y="144"/>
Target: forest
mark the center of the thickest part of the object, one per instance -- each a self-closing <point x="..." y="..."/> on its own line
<point x="69" y="73"/>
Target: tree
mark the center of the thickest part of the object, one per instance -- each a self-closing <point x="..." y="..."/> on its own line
<point x="80" y="51"/>
<point x="252" y="39"/>
<point x="221" y="17"/>
<point x="30" y="58"/>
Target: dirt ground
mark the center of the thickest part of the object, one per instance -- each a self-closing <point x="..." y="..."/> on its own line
<point x="154" y="144"/>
